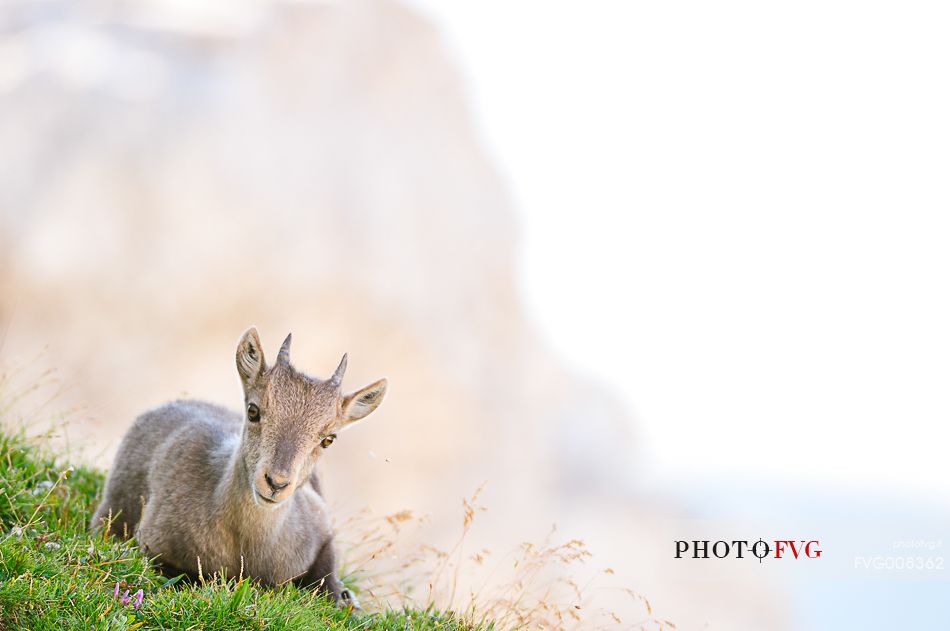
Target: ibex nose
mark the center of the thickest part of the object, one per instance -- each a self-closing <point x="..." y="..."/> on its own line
<point x="276" y="482"/>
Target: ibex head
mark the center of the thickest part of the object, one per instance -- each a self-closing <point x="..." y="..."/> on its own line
<point x="291" y="418"/>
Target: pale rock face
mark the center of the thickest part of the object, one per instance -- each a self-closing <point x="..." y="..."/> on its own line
<point x="169" y="179"/>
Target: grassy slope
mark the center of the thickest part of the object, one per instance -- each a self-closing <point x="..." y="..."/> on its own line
<point x="55" y="575"/>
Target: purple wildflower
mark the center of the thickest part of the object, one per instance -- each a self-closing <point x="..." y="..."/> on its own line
<point x="136" y="599"/>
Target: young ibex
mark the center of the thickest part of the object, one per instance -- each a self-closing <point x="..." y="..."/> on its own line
<point x="203" y="487"/>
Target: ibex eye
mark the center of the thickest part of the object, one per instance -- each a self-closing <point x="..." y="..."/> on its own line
<point x="326" y="442"/>
<point x="253" y="413"/>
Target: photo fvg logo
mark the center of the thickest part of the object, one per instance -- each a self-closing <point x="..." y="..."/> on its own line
<point x="761" y="549"/>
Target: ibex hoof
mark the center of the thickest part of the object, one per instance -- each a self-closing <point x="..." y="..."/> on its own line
<point x="348" y="600"/>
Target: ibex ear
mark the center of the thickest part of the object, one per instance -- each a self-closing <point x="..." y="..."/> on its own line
<point x="250" y="358"/>
<point x="360" y="403"/>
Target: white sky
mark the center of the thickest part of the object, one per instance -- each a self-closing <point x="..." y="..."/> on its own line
<point x="739" y="214"/>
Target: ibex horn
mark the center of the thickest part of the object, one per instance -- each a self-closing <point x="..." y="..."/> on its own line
<point x="337" y="377"/>
<point x="283" y="355"/>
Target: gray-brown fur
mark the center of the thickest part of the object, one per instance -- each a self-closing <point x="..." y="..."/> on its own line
<point x="193" y="480"/>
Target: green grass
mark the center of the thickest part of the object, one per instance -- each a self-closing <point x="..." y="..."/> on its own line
<point x="55" y="575"/>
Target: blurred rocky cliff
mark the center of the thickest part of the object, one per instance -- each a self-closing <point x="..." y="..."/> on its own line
<point x="168" y="180"/>
<point x="170" y="175"/>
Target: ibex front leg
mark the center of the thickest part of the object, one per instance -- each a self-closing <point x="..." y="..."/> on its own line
<point x="322" y="577"/>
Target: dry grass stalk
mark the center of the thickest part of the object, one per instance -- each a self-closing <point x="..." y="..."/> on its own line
<point x="534" y="586"/>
